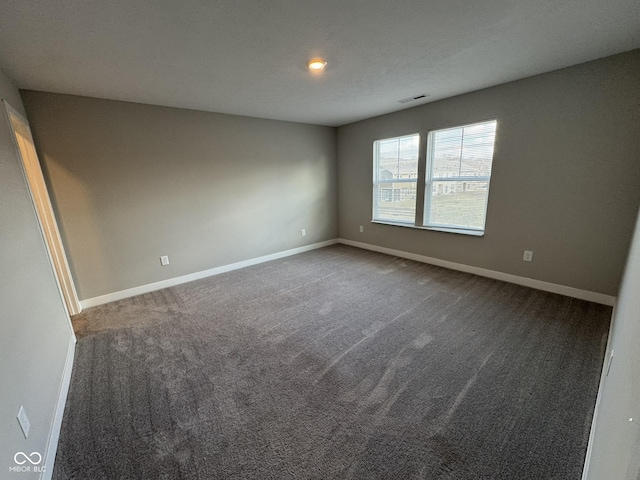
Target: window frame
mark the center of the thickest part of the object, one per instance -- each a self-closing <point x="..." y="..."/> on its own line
<point x="378" y="182"/>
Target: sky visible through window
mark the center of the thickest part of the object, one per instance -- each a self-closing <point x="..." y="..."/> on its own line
<point x="464" y="151"/>
<point x="399" y="156"/>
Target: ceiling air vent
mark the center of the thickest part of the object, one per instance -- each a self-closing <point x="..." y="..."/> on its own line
<point x="412" y="99"/>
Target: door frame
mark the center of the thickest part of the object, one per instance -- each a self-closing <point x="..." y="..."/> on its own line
<point x="45" y="214"/>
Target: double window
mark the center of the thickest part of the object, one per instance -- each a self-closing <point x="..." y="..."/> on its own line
<point x="457" y="170"/>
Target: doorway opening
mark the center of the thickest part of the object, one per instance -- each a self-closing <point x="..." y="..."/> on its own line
<point x="43" y="207"/>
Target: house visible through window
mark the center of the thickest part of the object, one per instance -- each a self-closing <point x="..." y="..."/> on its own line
<point x="457" y="174"/>
<point x="395" y="179"/>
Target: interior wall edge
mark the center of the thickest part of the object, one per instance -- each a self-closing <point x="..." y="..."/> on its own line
<point x="36" y="345"/>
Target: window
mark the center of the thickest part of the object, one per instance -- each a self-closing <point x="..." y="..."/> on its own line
<point x="457" y="173"/>
<point x="457" y="176"/>
<point x="395" y="179"/>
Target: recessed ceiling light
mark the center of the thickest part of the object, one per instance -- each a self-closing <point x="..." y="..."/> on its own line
<point x="317" y="64"/>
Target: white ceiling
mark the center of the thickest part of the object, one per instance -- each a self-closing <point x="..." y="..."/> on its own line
<point x="248" y="57"/>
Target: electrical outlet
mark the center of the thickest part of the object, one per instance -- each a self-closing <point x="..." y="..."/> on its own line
<point x="361" y="229"/>
<point x="304" y="232"/>
<point x="24" y="422"/>
<point x="528" y="256"/>
<point x="164" y="260"/>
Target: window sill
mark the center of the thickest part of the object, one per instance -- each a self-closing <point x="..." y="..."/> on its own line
<point x="473" y="233"/>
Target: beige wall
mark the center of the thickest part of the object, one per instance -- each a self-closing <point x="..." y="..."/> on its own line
<point x="616" y="439"/>
<point x="566" y="181"/>
<point x="35" y="333"/>
<point x="132" y="182"/>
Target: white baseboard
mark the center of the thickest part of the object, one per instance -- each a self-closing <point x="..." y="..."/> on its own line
<point x="505" y="277"/>
<point x="132" y="292"/>
<point x="54" y="436"/>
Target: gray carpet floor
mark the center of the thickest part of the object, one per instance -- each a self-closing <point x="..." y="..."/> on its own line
<point x="338" y="363"/>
